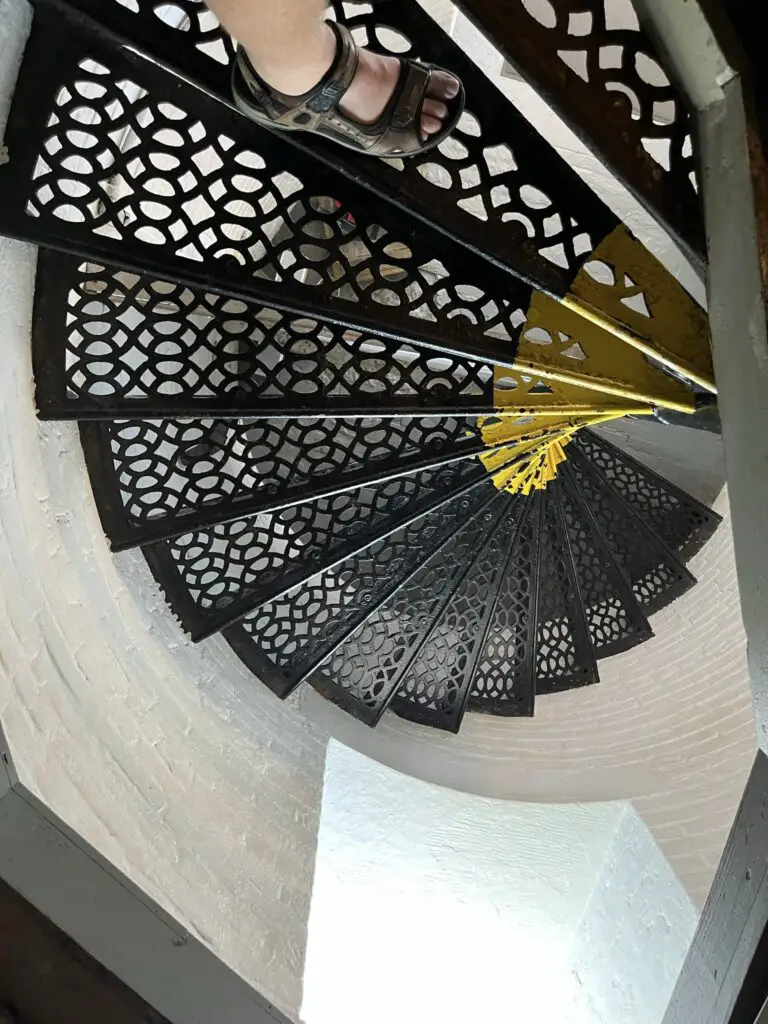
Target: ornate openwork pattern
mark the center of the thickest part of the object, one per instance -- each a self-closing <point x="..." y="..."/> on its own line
<point x="145" y="171"/>
<point x="220" y="574"/>
<point x="503" y="683"/>
<point x="142" y="346"/>
<point x="656" y="575"/>
<point x="614" y="620"/>
<point x="172" y="475"/>
<point x="564" y="657"/>
<point x="683" y="523"/>
<point x="280" y="353"/>
<point x="284" y="641"/>
<point x="374" y="661"/>
<point x="582" y="52"/>
<point x="437" y="687"/>
<point x="495" y="179"/>
<point x="601" y="42"/>
<point x="123" y="173"/>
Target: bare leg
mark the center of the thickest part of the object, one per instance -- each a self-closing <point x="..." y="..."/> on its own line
<point x="291" y="46"/>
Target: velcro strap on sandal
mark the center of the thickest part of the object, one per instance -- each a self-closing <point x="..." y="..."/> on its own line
<point x="328" y="92"/>
<point x="321" y="100"/>
<point x="411" y="98"/>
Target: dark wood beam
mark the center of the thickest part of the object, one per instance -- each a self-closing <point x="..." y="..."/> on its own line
<point x="725" y="977"/>
<point x="46" y="978"/>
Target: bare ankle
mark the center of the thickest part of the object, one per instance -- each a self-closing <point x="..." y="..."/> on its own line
<point x="296" y="73"/>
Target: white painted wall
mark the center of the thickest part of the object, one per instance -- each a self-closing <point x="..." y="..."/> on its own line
<point x="169" y="758"/>
<point x="631" y="944"/>
<point x="433" y="905"/>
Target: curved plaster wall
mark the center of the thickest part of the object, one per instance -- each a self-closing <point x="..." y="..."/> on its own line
<point x="206" y="791"/>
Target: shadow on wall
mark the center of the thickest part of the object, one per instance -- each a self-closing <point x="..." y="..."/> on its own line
<point x="692" y="459"/>
<point x="635" y="934"/>
<point x="463" y="908"/>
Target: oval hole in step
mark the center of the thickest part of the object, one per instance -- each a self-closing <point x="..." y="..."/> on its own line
<point x="650" y="70"/>
<point x="538" y="336"/>
<point x="392" y="40"/>
<point x="543" y="11"/>
<point x="601" y="272"/>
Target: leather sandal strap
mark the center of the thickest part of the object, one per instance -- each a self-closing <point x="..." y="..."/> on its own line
<point x="397" y="132"/>
<point x="328" y="92"/>
<point x="308" y="110"/>
<point x="403" y="115"/>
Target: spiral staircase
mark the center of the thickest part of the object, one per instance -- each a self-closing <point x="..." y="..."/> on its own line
<point x="347" y="407"/>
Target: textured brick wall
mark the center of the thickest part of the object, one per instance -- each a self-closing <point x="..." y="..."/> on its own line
<point x="167" y="757"/>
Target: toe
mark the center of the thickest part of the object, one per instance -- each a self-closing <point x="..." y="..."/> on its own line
<point x="430" y="125"/>
<point x="435" y="108"/>
<point x="443" y="86"/>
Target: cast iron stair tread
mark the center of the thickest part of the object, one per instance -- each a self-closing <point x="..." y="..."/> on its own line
<point x="565" y="658"/>
<point x="615" y="619"/>
<point x="130" y="200"/>
<point x="286" y="641"/>
<point x="656" y="574"/>
<point x="160" y="480"/>
<point x="683" y="523"/>
<point x="173" y="351"/>
<point x="600" y="70"/>
<point x="109" y="344"/>
<point x="504" y="680"/>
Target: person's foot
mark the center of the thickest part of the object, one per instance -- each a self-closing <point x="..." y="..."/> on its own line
<point x="371" y="87"/>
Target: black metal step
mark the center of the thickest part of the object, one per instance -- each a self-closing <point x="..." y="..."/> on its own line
<point x="504" y="681"/>
<point x="655" y="573"/>
<point x="683" y="523"/>
<point x="564" y="656"/>
<point x="286" y="641"/>
<point x="158" y="178"/>
<point x="110" y="344"/>
<point x="365" y="672"/>
<point x="159" y="480"/>
<point x="213" y="577"/>
<point x="615" y="620"/>
<point x="601" y="71"/>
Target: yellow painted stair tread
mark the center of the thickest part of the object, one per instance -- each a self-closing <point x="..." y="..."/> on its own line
<point x="627" y="283"/>
<point x="519" y="392"/>
<point x="558" y="342"/>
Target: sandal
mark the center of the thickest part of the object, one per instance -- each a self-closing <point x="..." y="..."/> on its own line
<point x="397" y="133"/>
